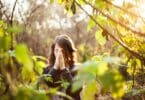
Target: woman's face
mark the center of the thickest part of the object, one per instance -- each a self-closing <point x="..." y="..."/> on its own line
<point x="57" y="49"/>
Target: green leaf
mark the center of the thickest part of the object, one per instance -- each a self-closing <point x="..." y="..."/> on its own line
<point x="39" y="66"/>
<point x="40" y="63"/>
<point x="113" y="81"/>
<point x="95" y="67"/>
<point x="88" y="72"/>
<point x="77" y="85"/>
<point x="65" y="84"/>
<point x="99" y="4"/>
<point x="90" y="1"/>
<point x="1" y="32"/>
<point x="89" y="91"/>
<point x="23" y="57"/>
<point x="28" y="75"/>
<point x="39" y="57"/>
<point x="51" y="1"/>
<point x="1" y="43"/>
<point x="81" y="2"/>
<point x="15" y="29"/>
<point x="53" y="90"/>
<point x="60" y="1"/>
<point x="98" y="35"/>
<point x="28" y="93"/>
<point x="91" y="24"/>
<point x="5" y="42"/>
<point x="101" y="19"/>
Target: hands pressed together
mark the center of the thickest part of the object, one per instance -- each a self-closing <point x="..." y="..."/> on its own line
<point x="59" y="62"/>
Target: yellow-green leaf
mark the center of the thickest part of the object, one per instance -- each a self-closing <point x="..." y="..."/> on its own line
<point x="98" y="35"/>
<point x="1" y="32"/>
<point x="91" y="24"/>
<point x="89" y="91"/>
<point x="23" y="56"/>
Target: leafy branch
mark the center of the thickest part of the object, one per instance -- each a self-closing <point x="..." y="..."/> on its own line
<point x="126" y="11"/>
<point x="114" y="20"/>
<point x="136" y="54"/>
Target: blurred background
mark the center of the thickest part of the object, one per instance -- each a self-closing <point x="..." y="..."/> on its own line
<point x="42" y="21"/>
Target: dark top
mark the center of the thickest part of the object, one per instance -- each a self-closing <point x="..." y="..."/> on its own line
<point x="66" y="75"/>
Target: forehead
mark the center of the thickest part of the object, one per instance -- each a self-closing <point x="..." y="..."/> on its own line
<point x="57" y="46"/>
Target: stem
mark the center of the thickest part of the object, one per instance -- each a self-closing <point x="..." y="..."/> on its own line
<point x="11" y="24"/>
<point x="142" y="70"/>
<point x="133" y="74"/>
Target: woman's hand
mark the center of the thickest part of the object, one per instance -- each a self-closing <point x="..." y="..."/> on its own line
<point x="59" y="62"/>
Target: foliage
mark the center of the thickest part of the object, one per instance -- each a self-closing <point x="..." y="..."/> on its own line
<point x="118" y="22"/>
<point x="27" y="93"/>
<point x="122" y="25"/>
<point x="17" y="67"/>
<point x="104" y="79"/>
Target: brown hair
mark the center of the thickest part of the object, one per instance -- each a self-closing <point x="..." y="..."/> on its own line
<point x="66" y="43"/>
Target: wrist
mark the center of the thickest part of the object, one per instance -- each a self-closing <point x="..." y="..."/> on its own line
<point x="62" y="68"/>
<point x="55" y="67"/>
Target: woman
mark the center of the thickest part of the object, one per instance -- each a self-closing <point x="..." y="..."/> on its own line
<point x="62" y="64"/>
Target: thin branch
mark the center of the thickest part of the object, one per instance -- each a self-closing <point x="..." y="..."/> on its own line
<point x="7" y="17"/>
<point x="1" y="4"/>
<point x="133" y="75"/>
<point x="119" y="34"/>
<point x="37" y="7"/>
<point x="111" y="35"/>
<point x="126" y="11"/>
<point x="142" y="76"/>
<point x="11" y="19"/>
<point x="118" y="22"/>
<point x="33" y="11"/>
<point x="4" y="12"/>
<point x="27" y="22"/>
<point x="21" y="16"/>
<point x="6" y="85"/>
<point x="11" y="23"/>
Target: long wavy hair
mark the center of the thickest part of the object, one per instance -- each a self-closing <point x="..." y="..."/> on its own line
<point x="68" y="49"/>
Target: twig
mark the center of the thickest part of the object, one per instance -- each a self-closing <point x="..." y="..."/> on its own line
<point x="133" y="75"/>
<point x="11" y="19"/>
<point x="4" y="12"/>
<point x="11" y="24"/>
<point x="30" y="14"/>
